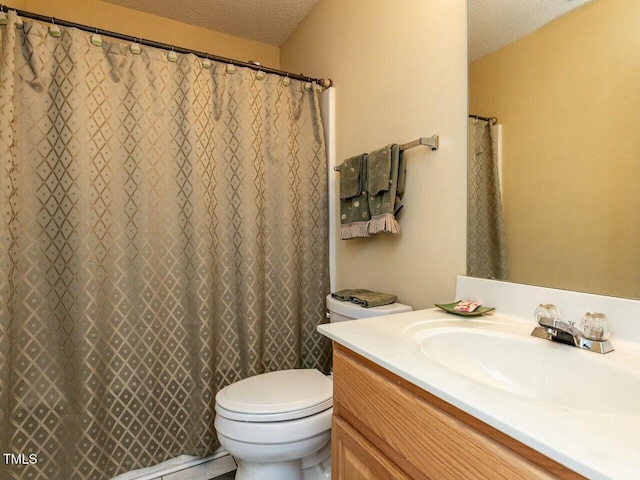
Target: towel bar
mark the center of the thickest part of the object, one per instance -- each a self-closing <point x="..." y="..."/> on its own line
<point x="431" y="142"/>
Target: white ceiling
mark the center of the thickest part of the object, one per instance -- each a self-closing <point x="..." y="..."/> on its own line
<point x="267" y="21"/>
<point x="496" y="23"/>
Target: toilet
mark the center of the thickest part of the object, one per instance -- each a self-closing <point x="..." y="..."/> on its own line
<point x="277" y="425"/>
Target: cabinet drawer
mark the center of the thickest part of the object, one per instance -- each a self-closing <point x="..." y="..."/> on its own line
<point x="422" y="439"/>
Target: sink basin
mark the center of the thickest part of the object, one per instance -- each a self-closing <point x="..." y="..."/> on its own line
<point x="508" y="359"/>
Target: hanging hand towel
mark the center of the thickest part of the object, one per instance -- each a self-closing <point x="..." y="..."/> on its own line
<point x="354" y="208"/>
<point x="402" y="178"/>
<point x="382" y="183"/>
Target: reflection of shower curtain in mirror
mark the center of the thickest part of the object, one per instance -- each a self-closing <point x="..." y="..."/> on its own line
<point x="486" y="247"/>
<point x="163" y="233"/>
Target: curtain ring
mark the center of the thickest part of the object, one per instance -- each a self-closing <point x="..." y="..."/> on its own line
<point x="54" y="30"/>
<point x="172" y="56"/>
<point x="96" y="39"/>
<point x="206" y="63"/>
<point x="135" y="47"/>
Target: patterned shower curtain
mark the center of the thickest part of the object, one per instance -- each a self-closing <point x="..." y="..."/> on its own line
<point x="486" y="246"/>
<point x="163" y="233"/>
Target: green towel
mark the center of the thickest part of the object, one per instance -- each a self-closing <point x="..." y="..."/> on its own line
<point x="379" y="171"/>
<point x="365" y="298"/>
<point x="345" y="295"/>
<point x="354" y="207"/>
<point x="402" y="178"/>
<point x="371" y="190"/>
<point x="383" y="167"/>
<point x="351" y="177"/>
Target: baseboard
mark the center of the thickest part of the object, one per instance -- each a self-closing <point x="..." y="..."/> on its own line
<point x="217" y="464"/>
<point x="204" y="471"/>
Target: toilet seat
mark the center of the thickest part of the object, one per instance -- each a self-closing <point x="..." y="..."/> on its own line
<point x="274" y="433"/>
<point x="276" y="396"/>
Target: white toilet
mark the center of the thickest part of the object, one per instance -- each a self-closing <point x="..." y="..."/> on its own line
<point x="277" y="425"/>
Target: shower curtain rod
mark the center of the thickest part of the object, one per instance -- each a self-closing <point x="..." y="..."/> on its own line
<point x="493" y="120"/>
<point x="323" y="82"/>
<point x="432" y="142"/>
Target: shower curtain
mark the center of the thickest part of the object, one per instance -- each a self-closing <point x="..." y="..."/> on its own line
<point x="163" y="233"/>
<point x="486" y="246"/>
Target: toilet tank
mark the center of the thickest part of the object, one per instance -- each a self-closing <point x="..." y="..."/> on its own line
<point x="341" y="311"/>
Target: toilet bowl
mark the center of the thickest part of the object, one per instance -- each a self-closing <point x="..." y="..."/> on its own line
<point x="277" y="425"/>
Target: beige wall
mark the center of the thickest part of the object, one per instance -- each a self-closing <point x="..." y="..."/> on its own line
<point x="568" y="96"/>
<point x="151" y="27"/>
<point x="400" y="70"/>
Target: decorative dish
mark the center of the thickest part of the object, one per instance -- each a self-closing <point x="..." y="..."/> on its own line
<point x="448" y="307"/>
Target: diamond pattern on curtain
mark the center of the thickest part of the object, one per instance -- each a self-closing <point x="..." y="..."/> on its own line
<point x="486" y="245"/>
<point x="163" y="233"/>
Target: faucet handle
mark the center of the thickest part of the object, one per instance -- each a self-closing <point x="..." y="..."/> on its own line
<point x="595" y="326"/>
<point x="548" y="311"/>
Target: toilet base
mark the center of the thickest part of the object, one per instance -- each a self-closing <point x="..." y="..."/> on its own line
<point x="267" y="471"/>
<point x="283" y="471"/>
<point x="316" y="466"/>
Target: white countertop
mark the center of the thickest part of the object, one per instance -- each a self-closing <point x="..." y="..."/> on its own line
<point x="596" y="445"/>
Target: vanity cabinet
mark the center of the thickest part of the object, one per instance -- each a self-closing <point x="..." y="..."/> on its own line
<point x="384" y="427"/>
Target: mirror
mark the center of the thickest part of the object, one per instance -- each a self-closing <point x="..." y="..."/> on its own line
<point x="567" y="98"/>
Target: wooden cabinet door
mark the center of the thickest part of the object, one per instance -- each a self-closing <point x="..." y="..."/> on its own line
<point x="354" y="458"/>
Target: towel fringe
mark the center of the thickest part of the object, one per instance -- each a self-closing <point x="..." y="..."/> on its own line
<point x="383" y="223"/>
<point x="354" y="230"/>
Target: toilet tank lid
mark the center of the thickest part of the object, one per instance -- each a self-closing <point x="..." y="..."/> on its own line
<point x="277" y="394"/>
<point x="352" y="310"/>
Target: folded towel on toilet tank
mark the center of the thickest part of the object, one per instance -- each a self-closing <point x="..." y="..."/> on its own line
<point x="365" y="298"/>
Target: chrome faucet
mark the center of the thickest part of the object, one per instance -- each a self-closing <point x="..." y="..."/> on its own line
<point x="567" y="333"/>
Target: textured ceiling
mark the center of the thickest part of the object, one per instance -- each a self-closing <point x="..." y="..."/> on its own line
<point x="496" y="23"/>
<point x="267" y="21"/>
<point x="492" y="23"/>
